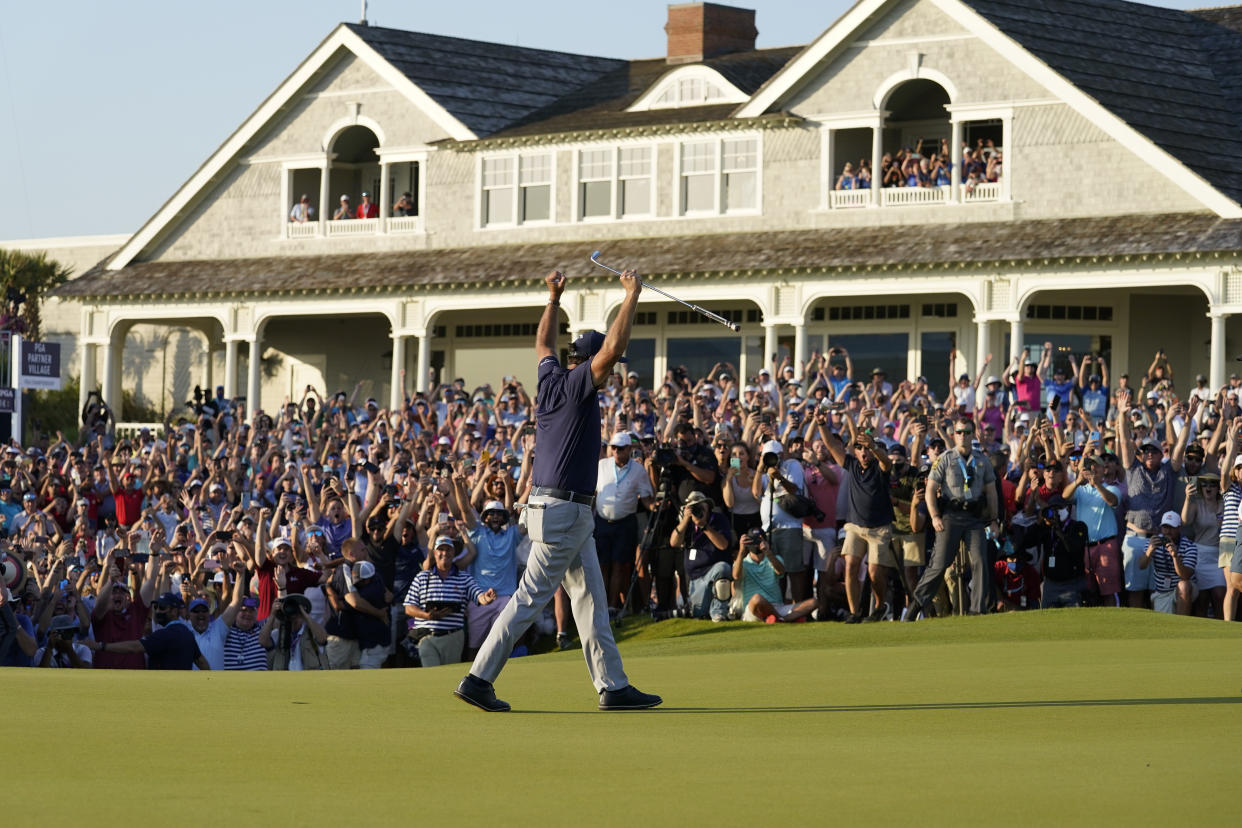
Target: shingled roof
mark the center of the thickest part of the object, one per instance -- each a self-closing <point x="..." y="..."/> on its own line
<point x="486" y="86"/>
<point x="934" y="245"/>
<point x="1172" y="75"/>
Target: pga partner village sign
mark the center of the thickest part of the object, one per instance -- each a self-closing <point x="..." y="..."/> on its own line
<point x="1115" y="226"/>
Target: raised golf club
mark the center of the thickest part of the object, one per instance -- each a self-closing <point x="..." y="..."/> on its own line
<point x="715" y="317"/>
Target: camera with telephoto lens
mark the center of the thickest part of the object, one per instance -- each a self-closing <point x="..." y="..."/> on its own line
<point x="664" y="455"/>
<point x="291" y="607"/>
<point x="771" y="460"/>
<point x="698" y="511"/>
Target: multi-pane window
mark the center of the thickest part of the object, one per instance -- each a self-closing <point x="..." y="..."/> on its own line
<point x="516" y="189"/>
<point x="740" y="162"/>
<point x="634" y="172"/>
<point x="698" y="177"/>
<point x="719" y="176"/>
<point x="595" y="183"/>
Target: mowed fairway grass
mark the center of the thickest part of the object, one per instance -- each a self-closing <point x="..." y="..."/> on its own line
<point x="1070" y="716"/>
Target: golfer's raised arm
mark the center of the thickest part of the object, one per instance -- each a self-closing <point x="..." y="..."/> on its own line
<point x="618" y="338"/>
<point x="545" y="339"/>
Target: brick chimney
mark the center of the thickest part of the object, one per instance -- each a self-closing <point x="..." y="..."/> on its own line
<point x="703" y="30"/>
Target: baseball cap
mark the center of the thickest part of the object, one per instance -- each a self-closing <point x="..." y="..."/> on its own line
<point x="1171" y="519"/>
<point x="444" y="540"/>
<point x="992" y="380"/>
<point x="772" y="447"/>
<point x="344" y="198"/>
<point x="250" y="602"/>
<point x="633" y="374"/>
<point x="199" y="603"/>
<point x="621" y="439"/>
<point x="170" y="599"/>
<point x="493" y="506"/>
<point x="274" y="543"/>
<point x="364" y="570"/>
<point x="697" y="497"/>
<point x="444" y="441"/>
<point x="588" y="345"/>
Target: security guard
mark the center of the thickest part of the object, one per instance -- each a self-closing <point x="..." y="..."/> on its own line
<point x="559" y="517"/>
<point x="961" y="500"/>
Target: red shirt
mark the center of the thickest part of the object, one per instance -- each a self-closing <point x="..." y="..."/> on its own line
<point x="122" y="626"/>
<point x="297" y="581"/>
<point x="1013" y="586"/>
<point x="367" y="211"/>
<point x="128" y="506"/>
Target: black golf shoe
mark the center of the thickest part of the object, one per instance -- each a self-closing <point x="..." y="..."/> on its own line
<point x="476" y="691"/>
<point x="627" y="698"/>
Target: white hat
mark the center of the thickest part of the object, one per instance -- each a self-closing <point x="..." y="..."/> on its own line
<point x="772" y="447"/>
<point x="763" y="371"/>
<point x="632" y="374"/>
<point x="993" y="380"/>
<point x="493" y="506"/>
<point x="444" y="441"/>
<point x="344" y="198"/>
<point x="364" y="570"/>
<point x="278" y="542"/>
<point x="1171" y="519"/>
<point x="621" y="439"/>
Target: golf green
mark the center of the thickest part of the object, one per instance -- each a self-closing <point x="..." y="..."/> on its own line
<point x="1079" y="716"/>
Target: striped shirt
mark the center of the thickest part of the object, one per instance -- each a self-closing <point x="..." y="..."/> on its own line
<point x="242" y="650"/>
<point x="1233" y="500"/>
<point x="430" y="588"/>
<point x="1164" y="575"/>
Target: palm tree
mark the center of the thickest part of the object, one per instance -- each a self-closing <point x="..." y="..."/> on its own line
<point x="30" y="275"/>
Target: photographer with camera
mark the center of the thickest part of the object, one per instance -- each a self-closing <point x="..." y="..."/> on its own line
<point x="781" y="476"/>
<point x="294" y="640"/>
<point x="62" y="648"/>
<point x="436" y="604"/>
<point x="1061" y="545"/>
<point x="706" y="538"/>
<point x="756" y="582"/>
<point x="1172" y="557"/>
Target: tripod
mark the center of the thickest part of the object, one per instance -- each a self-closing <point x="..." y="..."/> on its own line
<point x="664" y="500"/>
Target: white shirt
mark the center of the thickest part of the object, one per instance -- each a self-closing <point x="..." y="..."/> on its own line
<point x="769" y="503"/>
<point x="617" y="488"/>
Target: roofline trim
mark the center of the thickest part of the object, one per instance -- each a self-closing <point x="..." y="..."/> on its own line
<point x="774" y="121"/>
<point x="339" y="38"/>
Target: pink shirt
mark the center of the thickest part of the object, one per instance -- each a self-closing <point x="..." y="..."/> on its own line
<point x="1026" y="389"/>
<point x="825" y="496"/>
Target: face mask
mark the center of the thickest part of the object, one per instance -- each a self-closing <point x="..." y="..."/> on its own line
<point x="1063" y="515"/>
<point x="1013" y="565"/>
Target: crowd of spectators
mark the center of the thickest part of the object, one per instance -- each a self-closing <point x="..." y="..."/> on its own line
<point x="924" y="167"/>
<point x="303" y="212"/>
<point x="331" y="534"/>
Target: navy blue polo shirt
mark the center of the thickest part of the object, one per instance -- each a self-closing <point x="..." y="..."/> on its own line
<point x="171" y="648"/>
<point x="567" y="437"/>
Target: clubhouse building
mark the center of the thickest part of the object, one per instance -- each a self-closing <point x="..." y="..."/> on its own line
<point x="1114" y="225"/>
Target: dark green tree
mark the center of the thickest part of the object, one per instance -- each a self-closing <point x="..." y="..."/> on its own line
<point x="31" y="274"/>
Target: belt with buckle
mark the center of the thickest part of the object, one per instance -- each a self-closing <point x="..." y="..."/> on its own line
<point x="563" y="494"/>
<point x="1102" y="540"/>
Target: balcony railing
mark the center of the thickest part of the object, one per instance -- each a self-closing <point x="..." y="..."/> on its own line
<point x="987" y="191"/>
<point x="842" y="199"/>
<point x="906" y="196"/>
<point x="405" y="224"/>
<point x="302" y="229"/>
<point x="354" y="227"/>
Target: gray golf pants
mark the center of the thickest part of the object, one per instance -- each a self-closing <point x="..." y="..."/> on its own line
<point x="562" y="549"/>
<point x="958" y="527"/>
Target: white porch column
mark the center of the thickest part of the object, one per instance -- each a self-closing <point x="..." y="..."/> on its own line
<point x="659" y="365"/>
<point x="830" y="160"/>
<point x="396" y="397"/>
<point x="253" y="364"/>
<point x="1015" y="339"/>
<point x="89" y="354"/>
<point x="230" y="368"/>
<point x="877" y="155"/>
<point x="423" y="382"/>
<point x="208" y="387"/>
<point x="325" y="196"/>
<point x="769" y="346"/>
<point x="799" y="355"/>
<point x="1006" y="133"/>
<point x="112" y="375"/>
<point x="1216" y="375"/>
<point x="385" y="196"/>
<point x="286" y="206"/>
<point x="955" y="152"/>
<point x="983" y="343"/>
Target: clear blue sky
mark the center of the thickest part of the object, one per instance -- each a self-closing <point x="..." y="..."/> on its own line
<point x="106" y="108"/>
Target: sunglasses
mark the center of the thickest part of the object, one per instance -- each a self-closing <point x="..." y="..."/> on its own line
<point x="963" y="431"/>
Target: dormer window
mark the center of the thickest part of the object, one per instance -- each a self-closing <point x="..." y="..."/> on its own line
<point x="689" y="86"/>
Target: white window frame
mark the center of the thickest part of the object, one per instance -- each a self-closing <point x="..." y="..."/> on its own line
<point x="718" y="190"/>
<point x="519" y="220"/>
<point x="616" y="179"/>
<point x="676" y="80"/>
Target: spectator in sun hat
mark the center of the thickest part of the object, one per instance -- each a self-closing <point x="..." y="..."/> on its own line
<point x="62" y="648"/>
<point x="494" y="536"/>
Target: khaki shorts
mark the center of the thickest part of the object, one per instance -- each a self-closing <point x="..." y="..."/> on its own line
<point x="912" y="548"/>
<point x="1225" y="556"/>
<point x="876" y="541"/>
<point x="343" y="653"/>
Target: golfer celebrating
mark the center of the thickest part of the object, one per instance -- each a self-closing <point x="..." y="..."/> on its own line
<point x="559" y="518"/>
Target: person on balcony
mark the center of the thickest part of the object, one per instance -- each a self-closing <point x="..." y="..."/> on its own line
<point x="302" y="211"/>
<point x="941" y="170"/>
<point x="862" y="181"/>
<point x="846" y="180"/>
<point x="344" y="211"/>
<point x="366" y="209"/>
<point x="405" y="206"/>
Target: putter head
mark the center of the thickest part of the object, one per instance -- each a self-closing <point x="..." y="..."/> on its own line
<point x="736" y="327"/>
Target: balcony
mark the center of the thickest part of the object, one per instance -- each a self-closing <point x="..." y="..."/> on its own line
<point x="397" y="225"/>
<point x="913" y="196"/>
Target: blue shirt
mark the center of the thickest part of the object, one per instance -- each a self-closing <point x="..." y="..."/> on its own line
<point x="1095" y="403"/>
<point x="495" y="565"/>
<point x="171" y="648"/>
<point x="1091" y="509"/>
<point x="567" y="418"/>
<point x="16" y="658"/>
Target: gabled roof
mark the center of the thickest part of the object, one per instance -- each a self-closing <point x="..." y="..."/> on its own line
<point x="1172" y="75"/>
<point x="602" y="104"/>
<point x="932" y="246"/>
<point x="486" y="86"/>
